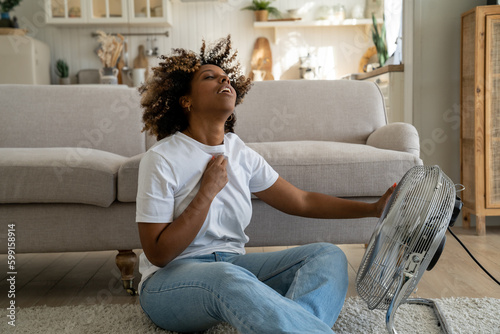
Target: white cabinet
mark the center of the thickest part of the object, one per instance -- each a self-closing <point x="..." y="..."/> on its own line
<point x="25" y="60"/>
<point x="107" y="11"/>
<point x="65" y="11"/>
<point x="82" y="12"/>
<point x="390" y="80"/>
<point x="149" y="11"/>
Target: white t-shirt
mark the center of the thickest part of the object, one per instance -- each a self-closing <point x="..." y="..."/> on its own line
<point x="169" y="178"/>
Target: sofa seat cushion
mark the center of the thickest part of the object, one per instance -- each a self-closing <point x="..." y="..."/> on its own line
<point x="339" y="169"/>
<point x="58" y="175"/>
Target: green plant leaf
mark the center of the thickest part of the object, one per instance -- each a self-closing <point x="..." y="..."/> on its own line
<point x="379" y="40"/>
<point x="62" y="69"/>
<point x="261" y="5"/>
<point x="7" y="5"/>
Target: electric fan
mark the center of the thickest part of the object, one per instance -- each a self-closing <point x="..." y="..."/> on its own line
<point x="408" y="240"/>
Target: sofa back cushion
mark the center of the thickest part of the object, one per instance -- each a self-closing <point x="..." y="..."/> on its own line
<point x="101" y="117"/>
<point x="331" y="110"/>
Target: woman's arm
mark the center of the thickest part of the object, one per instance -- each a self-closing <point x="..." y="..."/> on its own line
<point x="164" y="242"/>
<point x="287" y="198"/>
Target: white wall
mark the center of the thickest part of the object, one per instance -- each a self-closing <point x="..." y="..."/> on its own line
<point x="339" y="49"/>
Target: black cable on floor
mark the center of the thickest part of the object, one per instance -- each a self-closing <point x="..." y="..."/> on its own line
<point x="472" y="256"/>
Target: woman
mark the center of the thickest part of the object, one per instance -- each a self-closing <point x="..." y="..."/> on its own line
<point x="194" y="202"/>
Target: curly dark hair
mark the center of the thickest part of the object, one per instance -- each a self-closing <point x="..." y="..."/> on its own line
<point x="163" y="114"/>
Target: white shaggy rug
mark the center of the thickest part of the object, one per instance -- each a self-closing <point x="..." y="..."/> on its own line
<point x="463" y="315"/>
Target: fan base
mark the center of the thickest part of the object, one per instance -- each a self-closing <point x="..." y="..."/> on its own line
<point x="426" y="302"/>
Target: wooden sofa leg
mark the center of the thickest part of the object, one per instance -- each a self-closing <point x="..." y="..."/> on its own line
<point x="126" y="260"/>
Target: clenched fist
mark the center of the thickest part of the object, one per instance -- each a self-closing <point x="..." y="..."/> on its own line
<point x="215" y="177"/>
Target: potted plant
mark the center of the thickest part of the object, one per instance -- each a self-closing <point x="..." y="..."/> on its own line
<point x="262" y="9"/>
<point x="5" y="7"/>
<point x="62" y="71"/>
<point x="379" y="41"/>
<point x="109" y="52"/>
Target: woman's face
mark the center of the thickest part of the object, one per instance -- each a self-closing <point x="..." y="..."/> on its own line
<point x="211" y="91"/>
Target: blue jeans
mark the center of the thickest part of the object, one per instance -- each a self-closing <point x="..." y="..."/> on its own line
<point x="298" y="290"/>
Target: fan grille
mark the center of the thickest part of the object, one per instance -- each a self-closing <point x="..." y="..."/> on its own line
<point x="407" y="236"/>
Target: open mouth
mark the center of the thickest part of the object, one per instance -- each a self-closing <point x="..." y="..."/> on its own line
<point x="226" y="90"/>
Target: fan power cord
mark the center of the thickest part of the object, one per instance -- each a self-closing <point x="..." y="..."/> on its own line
<point x="472" y="256"/>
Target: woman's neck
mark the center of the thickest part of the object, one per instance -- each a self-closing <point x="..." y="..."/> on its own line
<point x="211" y="136"/>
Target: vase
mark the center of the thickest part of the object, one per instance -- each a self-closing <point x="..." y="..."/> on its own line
<point x="5" y="21"/>
<point x="109" y="75"/>
<point x="136" y="76"/>
<point x="324" y="13"/>
<point x="375" y="7"/>
<point x="65" y="81"/>
<point x="261" y="15"/>
<point x="258" y="75"/>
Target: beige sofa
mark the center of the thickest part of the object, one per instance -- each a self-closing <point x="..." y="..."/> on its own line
<point x="69" y="157"/>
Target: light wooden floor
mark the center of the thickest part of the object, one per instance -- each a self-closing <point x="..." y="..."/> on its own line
<point x="58" y="279"/>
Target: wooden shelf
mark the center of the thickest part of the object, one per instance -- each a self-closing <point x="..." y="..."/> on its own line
<point x="312" y="24"/>
<point x="378" y="71"/>
<point x="305" y="24"/>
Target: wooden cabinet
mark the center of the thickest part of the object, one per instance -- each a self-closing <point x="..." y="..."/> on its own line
<point x="82" y="12"/>
<point x="390" y="80"/>
<point x="480" y="114"/>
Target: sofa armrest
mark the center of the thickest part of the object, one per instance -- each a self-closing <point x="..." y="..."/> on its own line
<point x="397" y="137"/>
<point x="127" y="179"/>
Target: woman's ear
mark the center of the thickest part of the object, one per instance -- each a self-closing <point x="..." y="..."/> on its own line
<point x="184" y="102"/>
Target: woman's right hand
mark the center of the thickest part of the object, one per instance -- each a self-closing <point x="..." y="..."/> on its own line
<point x="164" y="242"/>
<point x="215" y="177"/>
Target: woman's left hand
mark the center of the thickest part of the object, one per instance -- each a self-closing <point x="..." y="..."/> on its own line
<point x="382" y="202"/>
